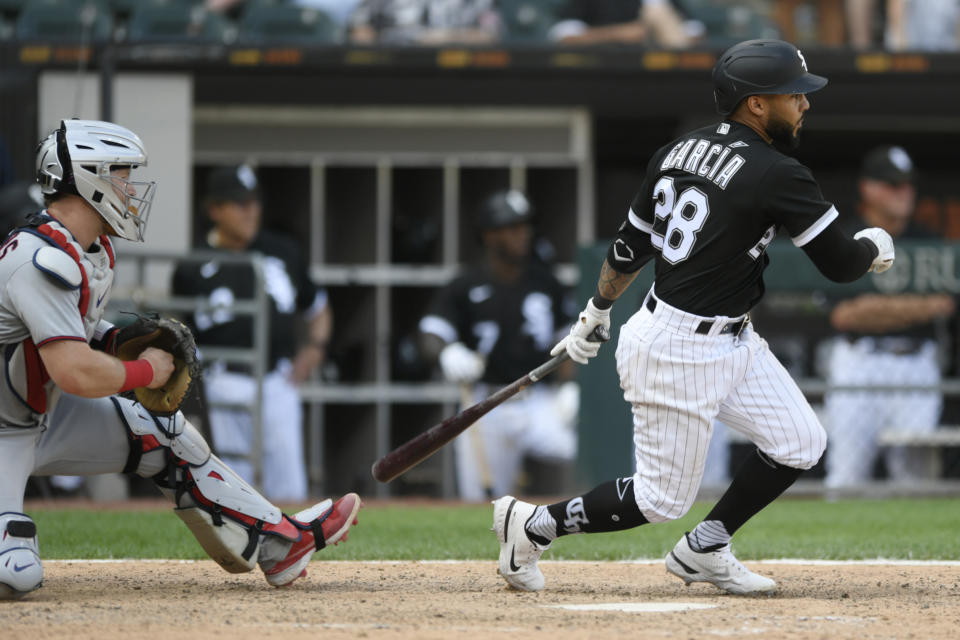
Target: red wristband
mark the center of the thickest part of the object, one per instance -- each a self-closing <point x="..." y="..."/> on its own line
<point x="139" y="374"/>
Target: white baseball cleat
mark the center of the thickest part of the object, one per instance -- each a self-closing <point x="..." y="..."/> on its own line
<point x="20" y="569"/>
<point x="716" y="566"/>
<point x="518" y="554"/>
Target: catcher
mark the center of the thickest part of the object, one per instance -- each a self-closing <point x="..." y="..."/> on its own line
<point x="65" y="368"/>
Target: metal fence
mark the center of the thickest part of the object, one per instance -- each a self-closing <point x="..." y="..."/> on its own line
<point x="144" y="286"/>
<point x="912" y="445"/>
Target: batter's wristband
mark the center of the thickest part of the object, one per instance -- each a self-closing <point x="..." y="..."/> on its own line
<point x="139" y="374"/>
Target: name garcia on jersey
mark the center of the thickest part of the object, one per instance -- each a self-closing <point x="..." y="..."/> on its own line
<point x="705" y="159"/>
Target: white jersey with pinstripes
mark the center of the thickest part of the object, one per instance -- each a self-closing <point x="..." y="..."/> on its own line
<point x="711" y="202"/>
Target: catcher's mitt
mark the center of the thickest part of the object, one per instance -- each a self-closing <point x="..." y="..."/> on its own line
<point x="173" y="337"/>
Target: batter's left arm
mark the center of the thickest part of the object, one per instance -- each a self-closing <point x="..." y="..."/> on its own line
<point x="611" y="285"/>
<point x="579" y="343"/>
<point x="630" y="251"/>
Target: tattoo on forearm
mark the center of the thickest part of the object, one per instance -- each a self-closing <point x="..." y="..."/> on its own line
<point x="612" y="283"/>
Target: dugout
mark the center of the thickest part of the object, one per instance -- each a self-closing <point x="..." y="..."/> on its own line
<point x="573" y="126"/>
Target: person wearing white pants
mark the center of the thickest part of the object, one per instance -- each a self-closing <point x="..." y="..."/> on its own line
<point x="489" y="327"/>
<point x="233" y="203"/>
<point x="709" y="204"/>
<point x="230" y="396"/>
<point x="886" y="340"/>
<point x="539" y="422"/>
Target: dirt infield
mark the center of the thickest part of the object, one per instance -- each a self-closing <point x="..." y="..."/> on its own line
<point x="197" y="600"/>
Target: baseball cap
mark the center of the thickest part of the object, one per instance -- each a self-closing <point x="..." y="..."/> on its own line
<point x="237" y="183"/>
<point x="889" y="164"/>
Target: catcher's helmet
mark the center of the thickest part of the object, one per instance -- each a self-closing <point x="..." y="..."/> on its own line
<point x="503" y="209"/>
<point x="78" y="159"/>
<point x="760" y="67"/>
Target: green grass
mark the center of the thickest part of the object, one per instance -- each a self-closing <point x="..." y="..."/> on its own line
<point x="901" y="529"/>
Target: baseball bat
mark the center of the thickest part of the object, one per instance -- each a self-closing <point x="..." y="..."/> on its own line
<point x="417" y="449"/>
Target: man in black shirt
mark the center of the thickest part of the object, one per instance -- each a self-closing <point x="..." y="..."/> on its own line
<point x="490" y="326"/>
<point x="887" y="339"/>
<point x="709" y="205"/>
<point x="233" y="204"/>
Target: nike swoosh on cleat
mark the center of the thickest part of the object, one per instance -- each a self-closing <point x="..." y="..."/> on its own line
<point x="19" y="568"/>
<point x="513" y="565"/>
<point x="506" y="519"/>
<point x="686" y="567"/>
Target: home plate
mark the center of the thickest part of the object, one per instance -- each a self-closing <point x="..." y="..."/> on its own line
<point x="634" y="607"/>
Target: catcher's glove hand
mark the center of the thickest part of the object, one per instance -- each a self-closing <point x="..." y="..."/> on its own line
<point x="176" y="339"/>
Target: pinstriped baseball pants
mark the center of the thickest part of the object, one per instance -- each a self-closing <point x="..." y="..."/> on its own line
<point x="678" y="381"/>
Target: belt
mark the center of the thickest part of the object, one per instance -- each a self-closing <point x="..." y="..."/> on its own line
<point x="734" y="327"/>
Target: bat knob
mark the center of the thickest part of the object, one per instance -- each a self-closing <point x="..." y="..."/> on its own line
<point x="599" y="334"/>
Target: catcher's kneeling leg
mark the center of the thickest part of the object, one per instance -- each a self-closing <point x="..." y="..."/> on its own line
<point x="20" y="569"/>
<point x="234" y="524"/>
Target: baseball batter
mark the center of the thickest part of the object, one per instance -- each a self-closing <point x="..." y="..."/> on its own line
<point x="490" y="326"/>
<point x="710" y="203"/>
<point x="59" y="408"/>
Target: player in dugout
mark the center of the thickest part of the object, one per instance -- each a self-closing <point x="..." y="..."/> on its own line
<point x="61" y="411"/>
<point x="710" y="203"/>
<point x="490" y="326"/>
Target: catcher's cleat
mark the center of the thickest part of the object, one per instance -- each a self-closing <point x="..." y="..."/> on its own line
<point x="320" y="525"/>
<point x="518" y="554"/>
<point x="20" y="569"/>
<point x="718" y="566"/>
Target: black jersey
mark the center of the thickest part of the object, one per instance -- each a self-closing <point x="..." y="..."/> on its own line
<point x="289" y="290"/>
<point x="514" y="325"/>
<point x="711" y="202"/>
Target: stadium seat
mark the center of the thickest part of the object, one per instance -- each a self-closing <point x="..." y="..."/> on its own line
<point x="64" y="21"/>
<point x="282" y="24"/>
<point x="124" y="7"/>
<point x="175" y="21"/>
<point x="11" y="7"/>
<point x="127" y="6"/>
<point x="528" y="21"/>
<point x="728" y="24"/>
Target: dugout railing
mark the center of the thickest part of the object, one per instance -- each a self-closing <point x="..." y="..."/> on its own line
<point x="144" y="287"/>
<point x="604" y="434"/>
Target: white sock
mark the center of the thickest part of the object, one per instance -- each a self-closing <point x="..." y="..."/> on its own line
<point x="542" y="525"/>
<point x="709" y="533"/>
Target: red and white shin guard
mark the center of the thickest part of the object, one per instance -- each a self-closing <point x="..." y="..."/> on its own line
<point x="231" y="520"/>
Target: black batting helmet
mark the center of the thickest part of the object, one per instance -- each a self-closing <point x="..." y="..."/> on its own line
<point x="503" y="209"/>
<point x="760" y="67"/>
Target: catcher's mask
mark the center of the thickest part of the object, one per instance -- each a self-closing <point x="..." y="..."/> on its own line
<point x="80" y="158"/>
<point x="761" y="67"/>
